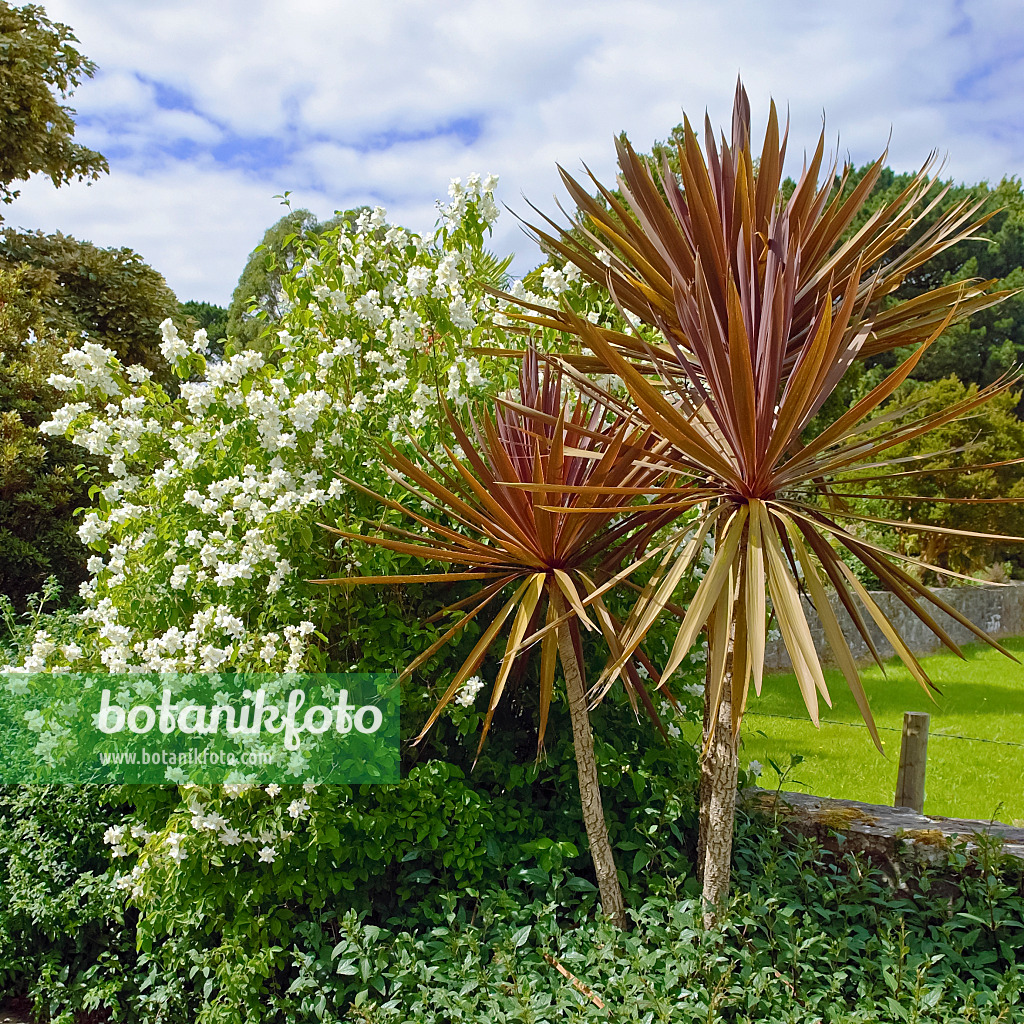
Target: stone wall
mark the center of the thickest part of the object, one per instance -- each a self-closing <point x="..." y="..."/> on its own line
<point x="999" y="610"/>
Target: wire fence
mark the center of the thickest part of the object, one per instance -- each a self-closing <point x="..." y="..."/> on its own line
<point x="932" y="734"/>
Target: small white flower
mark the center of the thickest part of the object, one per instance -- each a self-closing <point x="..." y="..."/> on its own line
<point x="273" y="789"/>
<point x="179" y="576"/>
<point x="114" y="835"/>
<point x="755" y="768"/>
<point x="214" y="821"/>
<point x="470" y="688"/>
<point x="297" y="808"/>
<point x="172" y="348"/>
<point x="173" y="840"/>
<point x="92" y="528"/>
<point x="554" y="280"/>
<point x="230" y="837"/>
<point x="267" y="854"/>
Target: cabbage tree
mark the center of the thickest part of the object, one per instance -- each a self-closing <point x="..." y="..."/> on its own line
<point x="537" y="510"/>
<point x="753" y="305"/>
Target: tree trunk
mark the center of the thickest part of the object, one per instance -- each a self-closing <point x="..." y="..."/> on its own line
<point x="590" y="789"/>
<point x="718" y="779"/>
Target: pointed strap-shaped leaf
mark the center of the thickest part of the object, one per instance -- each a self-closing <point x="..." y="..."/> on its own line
<point x="727" y="548"/>
<point x="833" y="631"/>
<point x="472" y="662"/>
<point x="755" y="583"/>
<point x="789" y="614"/>
<point x="535" y="587"/>
<point x="657" y="594"/>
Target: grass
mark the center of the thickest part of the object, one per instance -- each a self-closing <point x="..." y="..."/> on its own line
<point x="982" y="697"/>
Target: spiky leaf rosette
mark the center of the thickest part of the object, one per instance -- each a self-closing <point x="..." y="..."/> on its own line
<point x="735" y="425"/>
<point x="538" y="563"/>
<point x="720" y="217"/>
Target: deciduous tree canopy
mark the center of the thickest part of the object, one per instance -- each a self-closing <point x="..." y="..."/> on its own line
<point x="39" y="67"/>
<point x="110" y="295"/>
<point x="258" y="294"/>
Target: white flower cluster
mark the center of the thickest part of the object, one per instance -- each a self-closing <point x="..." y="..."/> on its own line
<point x="477" y="191"/>
<point x="199" y="826"/>
<point x="95" y="370"/>
<point x="467" y="694"/>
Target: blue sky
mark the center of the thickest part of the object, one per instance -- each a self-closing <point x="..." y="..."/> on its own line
<point x="207" y="110"/>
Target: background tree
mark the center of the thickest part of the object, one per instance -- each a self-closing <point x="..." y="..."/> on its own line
<point x="55" y="291"/>
<point x="941" y="484"/>
<point x="258" y="296"/>
<point x="40" y="486"/>
<point x="211" y="318"/>
<point x="111" y="296"/>
<point x="989" y="342"/>
<point x="39" y="67"/>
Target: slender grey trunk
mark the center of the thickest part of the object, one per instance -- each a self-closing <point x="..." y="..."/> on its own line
<point x="718" y="780"/>
<point x="590" y="789"/>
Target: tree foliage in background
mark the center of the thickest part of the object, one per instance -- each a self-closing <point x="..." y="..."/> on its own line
<point x="211" y="318"/>
<point x="56" y="292"/>
<point x="990" y="341"/>
<point x="40" y="488"/>
<point x="259" y="298"/>
<point x="940" y="485"/>
<point x="39" y="67"/>
<point x="109" y="296"/>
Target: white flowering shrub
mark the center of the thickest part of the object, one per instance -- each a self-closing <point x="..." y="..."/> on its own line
<point x="205" y="533"/>
<point x="205" y="536"/>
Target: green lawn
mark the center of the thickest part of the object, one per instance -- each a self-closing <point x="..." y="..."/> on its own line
<point x="981" y="697"/>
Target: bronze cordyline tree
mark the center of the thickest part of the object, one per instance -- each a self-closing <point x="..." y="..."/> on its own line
<point x="759" y="304"/>
<point x="543" y="568"/>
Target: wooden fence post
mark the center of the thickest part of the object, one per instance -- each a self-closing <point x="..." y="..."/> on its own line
<point x="913" y="761"/>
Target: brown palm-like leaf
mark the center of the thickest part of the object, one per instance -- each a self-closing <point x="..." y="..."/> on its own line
<point x="762" y="307"/>
<point x="724" y="217"/>
<point x="540" y="565"/>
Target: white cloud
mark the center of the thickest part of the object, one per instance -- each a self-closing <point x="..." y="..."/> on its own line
<point x="383" y="101"/>
<point x="194" y="223"/>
